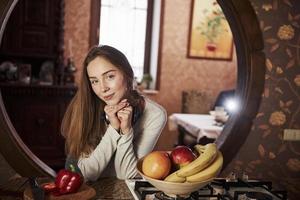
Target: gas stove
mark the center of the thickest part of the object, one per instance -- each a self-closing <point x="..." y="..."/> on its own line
<point x="218" y="189"/>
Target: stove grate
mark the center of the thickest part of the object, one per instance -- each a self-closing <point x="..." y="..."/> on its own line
<point x="219" y="189"/>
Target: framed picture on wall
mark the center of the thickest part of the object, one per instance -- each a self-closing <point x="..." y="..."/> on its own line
<point x="210" y="36"/>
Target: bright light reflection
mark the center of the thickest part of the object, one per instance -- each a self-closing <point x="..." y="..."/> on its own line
<point x="232" y="105"/>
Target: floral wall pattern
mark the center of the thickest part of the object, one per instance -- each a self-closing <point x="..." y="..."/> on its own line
<point x="265" y="154"/>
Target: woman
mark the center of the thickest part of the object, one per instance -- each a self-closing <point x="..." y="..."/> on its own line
<point x="108" y="126"/>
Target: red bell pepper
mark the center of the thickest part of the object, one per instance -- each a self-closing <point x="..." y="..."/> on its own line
<point x="68" y="181"/>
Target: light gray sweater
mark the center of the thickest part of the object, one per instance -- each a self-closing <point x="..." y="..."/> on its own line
<point x="117" y="155"/>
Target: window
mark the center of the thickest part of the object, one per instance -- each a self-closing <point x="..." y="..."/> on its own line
<point x="131" y="26"/>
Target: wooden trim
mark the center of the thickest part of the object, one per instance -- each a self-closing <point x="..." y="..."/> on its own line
<point x="59" y="70"/>
<point x="19" y="90"/>
<point x="95" y="22"/>
<point x="5" y="12"/>
<point x="147" y="54"/>
<point x="251" y="74"/>
<point x="160" y="44"/>
<point x="190" y="28"/>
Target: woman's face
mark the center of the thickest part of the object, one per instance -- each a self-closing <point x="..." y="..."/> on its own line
<point x="108" y="82"/>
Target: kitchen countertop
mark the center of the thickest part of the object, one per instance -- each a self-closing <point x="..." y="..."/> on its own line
<point x="106" y="188"/>
<point x="111" y="188"/>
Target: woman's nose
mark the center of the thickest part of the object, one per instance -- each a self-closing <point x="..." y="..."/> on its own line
<point x="104" y="89"/>
<point x="103" y="86"/>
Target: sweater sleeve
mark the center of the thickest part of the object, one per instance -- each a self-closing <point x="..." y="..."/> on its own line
<point x="128" y="153"/>
<point x="92" y="166"/>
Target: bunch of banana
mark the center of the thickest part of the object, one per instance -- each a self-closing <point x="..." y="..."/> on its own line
<point x="209" y="172"/>
<point x="207" y="165"/>
<point x="175" y="178"/>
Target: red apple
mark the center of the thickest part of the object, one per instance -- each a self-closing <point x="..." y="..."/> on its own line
<point x="181" y="156"/>
<point x="157" y="165"/>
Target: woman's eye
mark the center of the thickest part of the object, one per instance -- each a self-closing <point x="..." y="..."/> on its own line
<point x="94" y="82"/>
<point x="110" y="76"/>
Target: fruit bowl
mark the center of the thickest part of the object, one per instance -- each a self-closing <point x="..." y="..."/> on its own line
<point x="172" y="189"/>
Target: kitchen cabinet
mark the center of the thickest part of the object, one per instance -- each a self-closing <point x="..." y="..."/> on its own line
<point x="36" y="112"/>
<point x="32" y="29"/>
<point x="33" y="35"/>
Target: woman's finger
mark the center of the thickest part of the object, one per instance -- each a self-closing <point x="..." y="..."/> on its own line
<point x="122" y="116"/>
<point x="128" y="108"/>
<point x="120" y="105"/>
<point x="112" y="109"/>
<point x="124" y="112"/>
<point x="124" y="100"/>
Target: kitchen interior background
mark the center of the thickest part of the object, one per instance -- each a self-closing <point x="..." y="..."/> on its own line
<point x="264" y="155"/>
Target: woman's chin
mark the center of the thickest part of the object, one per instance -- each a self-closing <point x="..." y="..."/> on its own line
<point x="111" y="102"/>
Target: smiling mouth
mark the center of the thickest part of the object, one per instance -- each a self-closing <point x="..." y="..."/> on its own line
<point x="106" y="98"/>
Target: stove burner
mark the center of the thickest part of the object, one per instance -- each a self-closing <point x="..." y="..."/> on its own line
<point x="163" y="196"/>
<point x="259" y="196"/>
<point x="219" y="189"/>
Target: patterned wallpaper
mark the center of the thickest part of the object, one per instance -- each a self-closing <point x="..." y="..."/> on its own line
<point x="265" y="155"/>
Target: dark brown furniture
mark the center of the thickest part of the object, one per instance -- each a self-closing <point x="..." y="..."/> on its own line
<point x="32" y="30"/>
<point x="33" y="34"/>
<point x="36" y="112"/>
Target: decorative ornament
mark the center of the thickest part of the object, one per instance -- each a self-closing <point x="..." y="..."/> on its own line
<point x="286" y="32"/>
<point x="297" y="80"/>
<point x="277" y="118"/>
<point x="293" y="164"/>
<point x="267" y="6"/>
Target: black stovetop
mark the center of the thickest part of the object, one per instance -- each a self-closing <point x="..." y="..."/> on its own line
<point x="219" y="189"/>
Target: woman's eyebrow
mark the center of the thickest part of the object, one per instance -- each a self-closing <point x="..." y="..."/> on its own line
<point x="112" y="70"/>
<point x="94" y="77"/>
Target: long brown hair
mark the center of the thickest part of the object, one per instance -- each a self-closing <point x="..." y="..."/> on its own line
<point x="83" y="124"/>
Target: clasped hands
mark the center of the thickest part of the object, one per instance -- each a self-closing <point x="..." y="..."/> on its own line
<point x="120" y="116"/>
